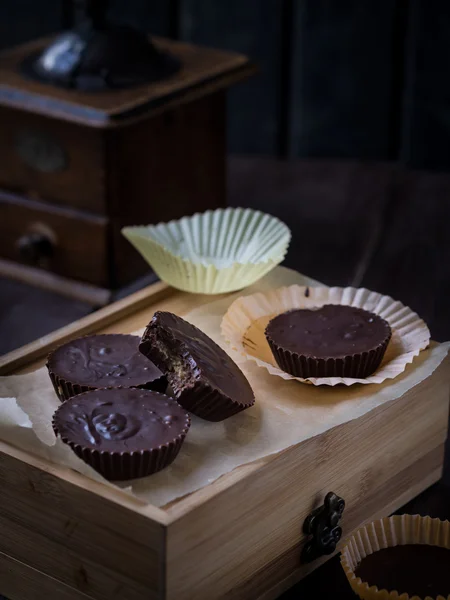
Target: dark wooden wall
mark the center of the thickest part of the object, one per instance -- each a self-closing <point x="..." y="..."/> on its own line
<point x="350" y="79"/>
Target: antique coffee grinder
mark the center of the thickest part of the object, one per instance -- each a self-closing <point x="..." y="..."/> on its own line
<point x="103" y="127"/>
<point x="99" y="55"/>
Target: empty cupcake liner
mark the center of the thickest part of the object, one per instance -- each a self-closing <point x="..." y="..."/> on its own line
<point x="213" y="252"/>
<point x="244" y="324"/>
<point x="120" y="466"/>
<point x="385" y="533"/>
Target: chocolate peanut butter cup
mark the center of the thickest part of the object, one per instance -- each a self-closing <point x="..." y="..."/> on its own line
<point x="419" y="570"/>
<point x="204" y="379"/>
<point x="123" y="433"/>
<point x="98" y="361"/>
<point x="399" y="557"/>
<point x="331" y="341"/>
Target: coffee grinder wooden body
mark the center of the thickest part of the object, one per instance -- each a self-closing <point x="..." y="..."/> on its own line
<point x="76" y="167"/>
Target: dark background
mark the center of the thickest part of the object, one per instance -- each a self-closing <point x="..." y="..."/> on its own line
<point x="346" y="137"/>
<point x="344" y="134"/>
<point x="363" y="79"/>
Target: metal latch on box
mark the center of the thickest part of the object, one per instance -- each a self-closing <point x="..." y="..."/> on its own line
<point x="322" y="528"/>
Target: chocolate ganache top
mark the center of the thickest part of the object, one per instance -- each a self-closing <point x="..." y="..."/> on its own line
<point x="120" y="420"/>
<point x="200" y="354"/>
<point x="102" y="361"/>
<point x="331" y="331"/>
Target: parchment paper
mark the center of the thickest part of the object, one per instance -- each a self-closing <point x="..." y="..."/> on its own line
<point x="285" y="413"/>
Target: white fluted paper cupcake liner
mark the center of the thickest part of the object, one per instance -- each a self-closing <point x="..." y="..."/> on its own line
<point x="244" y="324"/>
<point x="213" y="252"/>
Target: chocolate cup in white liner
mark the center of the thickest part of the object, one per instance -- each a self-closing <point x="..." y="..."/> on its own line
<point x="245" y="321"/>
<point x="98" y="361"/>
<point x="404" y="557"/>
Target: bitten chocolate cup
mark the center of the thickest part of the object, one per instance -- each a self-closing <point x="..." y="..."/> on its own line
<point x="204" y="379"/>
<point x="98" y="361"/>
<point x="331" y="341"/>
<point x="123" y="433"/>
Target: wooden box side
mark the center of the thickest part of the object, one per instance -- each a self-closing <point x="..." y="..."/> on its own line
<point x="246" y="538"/>
<point x="86" y="535"/>
<point x="20" y="582"/>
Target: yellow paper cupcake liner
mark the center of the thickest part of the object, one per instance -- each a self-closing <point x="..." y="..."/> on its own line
<point x="244" y="324"/>
<point x="385" y="533"/>
<point x="213" y="252"/>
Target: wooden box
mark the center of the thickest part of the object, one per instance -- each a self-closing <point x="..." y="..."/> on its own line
<point x="65" y="537"/>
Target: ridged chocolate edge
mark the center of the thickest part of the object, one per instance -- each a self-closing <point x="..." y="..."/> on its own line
<point x="121" y="466"/>
<point x="354" y="366"/>
<point x="66" y="389"/>
<point x="208" y="403"/>
<point x="200" y="399"/>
